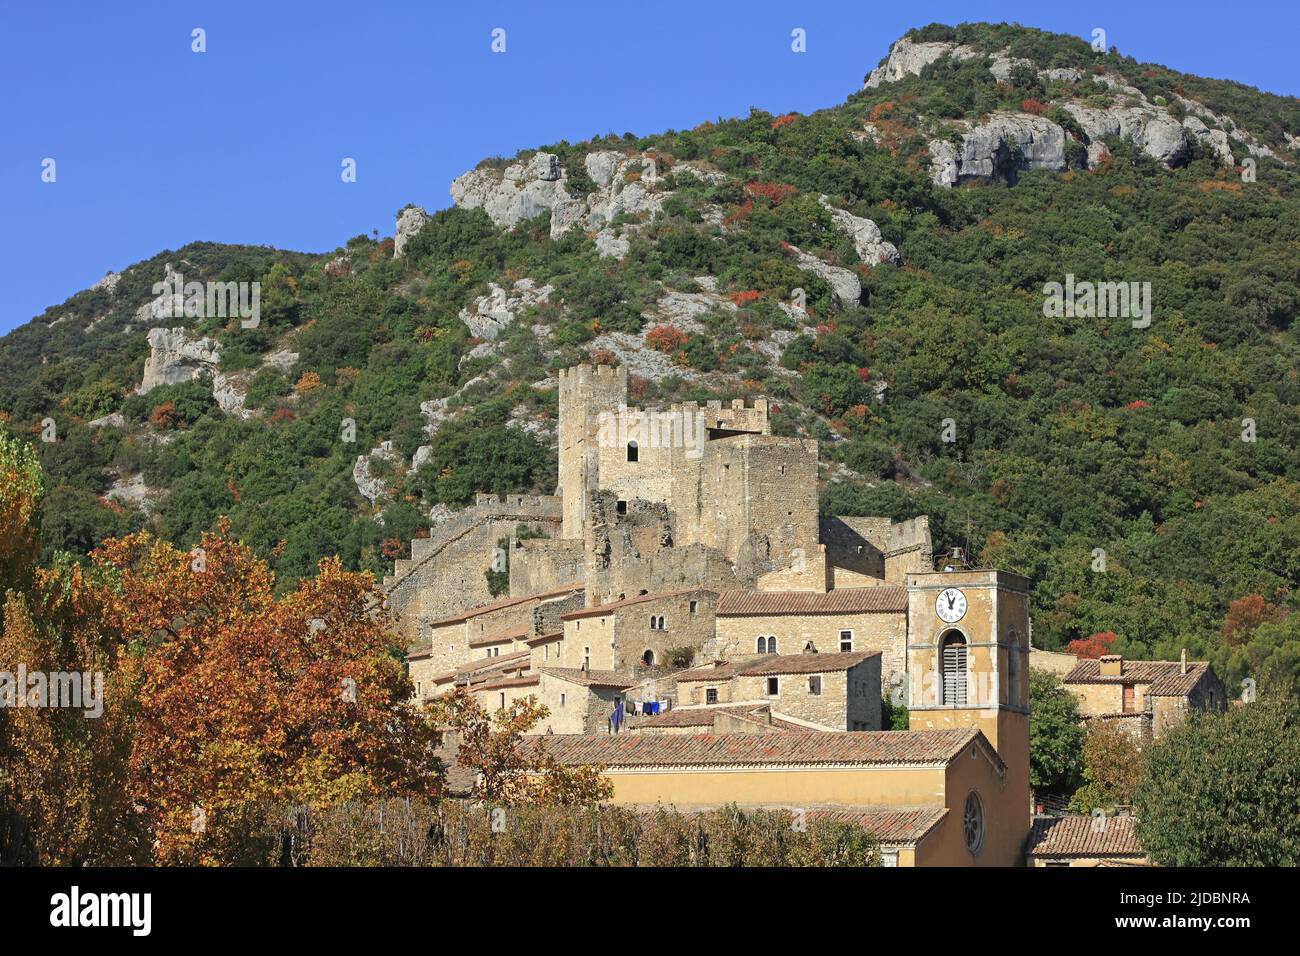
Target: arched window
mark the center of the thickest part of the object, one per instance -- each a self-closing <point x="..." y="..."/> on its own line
<point x="972" y="823"/>
<point x="633" y="452"/>
<point x="762" y="645"/>
<point x="648" y="658"/>
<point x="771" y="644"/>
<point x="952" y="660"/>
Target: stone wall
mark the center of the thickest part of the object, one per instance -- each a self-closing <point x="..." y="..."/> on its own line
<point x="547" y="614"/>
<point x="683" y="627"/>
<point x="849" y="699"/>
<point x="884" y="631"/>
<point x="540" y="564"/>
<point x="586" y="391"/>
<point x="688" y="622"/>
<point x="876" y="547"/>
<point x="446" y="573"/>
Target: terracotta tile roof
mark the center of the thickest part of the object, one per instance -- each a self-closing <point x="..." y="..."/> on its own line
<point x="517" y="634"/>
<point x="1135" y="715"/>
<point x="890" y="826"/>
<point x="721" y="671"/>
<point x="481" y="665"/>
<point x="508" y="602"/>
<point x="600" y="610"/>
<point x="703" y="717"/>
<point x="540" y="639"/>
<point x="888" y="747"/>
<point x="418" y="655"/>
<point x="526" y="681"/>
<point x="590" y="678"/>
<point x="1178" y="684"/>
<point x="804" y="663"/>
<point x="1084" y="836"/>
<point x="694" y="716"/>
<point x="1165" y="677"/>
<point x="836" y="601"/>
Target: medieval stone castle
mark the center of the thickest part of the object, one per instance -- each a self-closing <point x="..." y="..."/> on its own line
<point x="694" y="626"/>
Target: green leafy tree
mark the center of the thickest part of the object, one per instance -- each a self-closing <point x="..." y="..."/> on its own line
<point x="1112" y="768"/>
<point x="1224" y="789"/>
<point x="1055" y="735"/>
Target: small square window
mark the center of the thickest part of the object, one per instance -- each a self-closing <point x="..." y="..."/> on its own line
<point x="711" y="695"/>
<point x="622" y="507"/>
<point x="773" y="686"/>
<point x="846" y="640"/>
<point x="695" y="606"/>
<point x="815" y="685"/>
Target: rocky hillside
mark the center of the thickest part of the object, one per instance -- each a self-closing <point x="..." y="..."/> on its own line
<point x="877" y="268"/>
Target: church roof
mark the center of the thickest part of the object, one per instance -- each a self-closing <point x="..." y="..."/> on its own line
<point x="837" y="601"/>
<point x="890" y="826"/>
<point x="884" y="748"/>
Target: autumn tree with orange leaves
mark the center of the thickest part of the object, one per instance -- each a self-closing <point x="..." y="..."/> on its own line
<point x="510" y="771"/>
<point x="248" y="700"/>
<point x="63" y="770"/>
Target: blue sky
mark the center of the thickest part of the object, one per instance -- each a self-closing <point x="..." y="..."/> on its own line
<point x="157" y="146"/>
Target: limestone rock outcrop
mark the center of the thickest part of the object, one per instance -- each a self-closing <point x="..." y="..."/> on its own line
<point x="871" y="247"/>
<point x="1149" y="128"/>
<point x="175" y="358"/>
<point x="368" y="484"/>
<point x="109" y="282"/>
<point x="524" y="190"/>
<point x="1003" y="66"/>
<point x="521" y="191"/>
<point x="498" y="309"/>
<point x="999" y="149"/>
<point x="609" y="245"/>
<point x="845" y="286"/>
<point x="1144" y="122"/>
<point x="909" y="59"/>
<point x="409" y="222"/>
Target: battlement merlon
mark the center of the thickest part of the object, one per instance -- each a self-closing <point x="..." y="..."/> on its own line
<point x="741" y="415"/>
<point x="543" y="506"/>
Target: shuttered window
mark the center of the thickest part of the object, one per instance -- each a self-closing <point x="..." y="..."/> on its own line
<point x="954" y="671"/>
<point x="1128" y="698"/>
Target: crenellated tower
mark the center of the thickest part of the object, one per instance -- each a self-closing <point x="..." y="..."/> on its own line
<point x="586" y="392"/>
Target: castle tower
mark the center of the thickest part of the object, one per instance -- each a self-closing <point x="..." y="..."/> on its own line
<point x="586" y="392"/>
<point x="968" y="666"/>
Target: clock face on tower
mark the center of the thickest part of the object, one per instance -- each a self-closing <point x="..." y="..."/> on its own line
<point x="950" y="605"/>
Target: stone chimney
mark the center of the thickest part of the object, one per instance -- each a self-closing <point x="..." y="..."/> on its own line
<point x="1112" y="665"/>
<point x="1184" y="660"/>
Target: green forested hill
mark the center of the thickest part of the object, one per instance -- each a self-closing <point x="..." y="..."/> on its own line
<point x="1071" y="434"/>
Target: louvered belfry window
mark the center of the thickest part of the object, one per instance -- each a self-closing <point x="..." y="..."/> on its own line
<point x="954" y="670"/>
